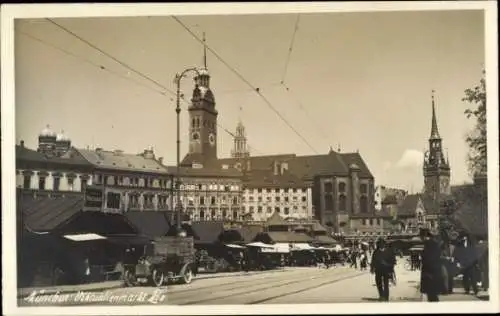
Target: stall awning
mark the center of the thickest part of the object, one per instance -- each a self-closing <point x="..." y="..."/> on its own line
<point x="302" y="246"/>
<point x="260" y="244"/>
<point x="277" y="248"/>
<point x="235" y="246"/>
<point x="84" y="237"/>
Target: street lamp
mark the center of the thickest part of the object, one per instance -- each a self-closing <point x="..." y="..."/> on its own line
<point x="177" y="81"/>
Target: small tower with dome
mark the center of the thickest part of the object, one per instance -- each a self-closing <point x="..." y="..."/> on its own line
<point x="63" y="144"/>
<point x="47" y="141"/>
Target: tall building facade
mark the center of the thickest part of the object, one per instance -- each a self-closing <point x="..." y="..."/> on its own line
<point x="383" y="192"/>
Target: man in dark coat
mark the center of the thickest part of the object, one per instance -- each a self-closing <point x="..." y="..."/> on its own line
<point x="466" y="255"/>
<point x="431" y="279"/>
<point x="382" y="264"/>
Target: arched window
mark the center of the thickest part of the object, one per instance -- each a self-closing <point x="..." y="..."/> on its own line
<point x="235" y="214"/>
<point x="342" y="202"/>
<point x="363" y="201"/>
<point x="328" y="187"/>
<point x="193" y="123"/>
<point x="202" y="213"/>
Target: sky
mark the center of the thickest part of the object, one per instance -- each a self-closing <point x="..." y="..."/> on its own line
<point x="358" y="81"/>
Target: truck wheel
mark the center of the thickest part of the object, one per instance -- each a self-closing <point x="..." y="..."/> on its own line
<point x="158" y="277"/>
<point x="187" y="277"/>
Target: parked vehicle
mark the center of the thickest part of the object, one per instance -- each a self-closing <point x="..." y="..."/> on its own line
<point x="165" y="259"/>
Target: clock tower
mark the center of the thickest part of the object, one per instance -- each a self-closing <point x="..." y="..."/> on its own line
<point x="202" y="121"/>
<point x="436" y="165"/>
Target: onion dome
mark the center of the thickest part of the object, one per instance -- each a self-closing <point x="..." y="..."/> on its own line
<point x="61" y="137"/>
<point x="47" y="132"/>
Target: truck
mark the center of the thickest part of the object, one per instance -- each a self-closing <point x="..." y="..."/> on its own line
<point x="164" y="260"/>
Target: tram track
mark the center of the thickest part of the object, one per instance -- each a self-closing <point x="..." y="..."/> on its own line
<point x="258" y="287"/>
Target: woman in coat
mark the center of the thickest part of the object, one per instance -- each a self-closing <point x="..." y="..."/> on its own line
<point x="431" y="278"/>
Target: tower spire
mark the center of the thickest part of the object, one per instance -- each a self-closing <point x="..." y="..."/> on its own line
<point x="204" y="51"/>
<point x="434" y="128"/>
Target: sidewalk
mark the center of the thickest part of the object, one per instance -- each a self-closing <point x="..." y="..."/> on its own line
<point x="108" y="285"/>
<point x="68" y="289"/>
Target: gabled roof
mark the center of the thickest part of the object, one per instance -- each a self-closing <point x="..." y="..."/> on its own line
<point x="69" y="159"/>
<point x="317" y="227"/>
<point x="324" y="239"/>
<point x="409" y="205"/>
<point x="307" y="167"/>
<point x="355" y="158"/>
<point x="267" y="179"/>
<point x="122" y="161"/>
<point x="205" y="172"/>
<point x="152" y="224"/>
<point x="276" y="220"/>
<point x="208" y="231"/>
<point x="390" y="200"/>
<point x="43" y="213"/>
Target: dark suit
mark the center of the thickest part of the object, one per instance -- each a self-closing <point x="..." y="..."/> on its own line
<point x="431" y="279"/>
<point x="382" y="264"/>
<point x="467" y="257"/>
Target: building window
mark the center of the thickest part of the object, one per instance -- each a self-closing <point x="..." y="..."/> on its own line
<point x="235" y="214"/>
<point x="342" y="187"/>
<point x="363" y="222"/>
<point x="363" y="188"/>
<point x="276" y="190"/>
<point x="113" y="200"/>
<point x="235" y="200"/>
<point x="212" y="200"/>
<point x="41" y="183"/>
<point x="363" y="201"/>
<point x="328" y="187"/>
<point x="83" y="184"/>
<point x="259" y="198"/>
<point x="224" y="213"/>
<point x="371" y="221"/>
<point x="294" y="190"/>
<point x="269" y="209"/>
<point x="213" y="213"/>
<point x="259" y="190"/>
<point x="251" y="209"/>
<point x="57" y="183"/>
<point x="277" y="209"/>
<point x="342" y="202"/>
<point x="250" y="199"/>
<point x="70" y="184"/>
<point x="286" y="198"/>
<point x="259" y="209"/>
<point x="378" y="221"/>
<point x="277" y="199"/>
<point x="328" y="202"/>
<point x="304" y="198"/>
<point x="202" y="200"/>
<point x="202" y="213"/>
<point x="287" y="211"/>
<point x="27" y="182"/>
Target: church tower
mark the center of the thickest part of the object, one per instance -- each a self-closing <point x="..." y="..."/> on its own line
<point x="240" y="149"/>
<point x="202" y="120"/>
<point x="436" y="165"/>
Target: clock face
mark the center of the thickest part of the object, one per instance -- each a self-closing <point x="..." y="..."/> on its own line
<point x="211" y="139"/>
<point x="195" y="136"/>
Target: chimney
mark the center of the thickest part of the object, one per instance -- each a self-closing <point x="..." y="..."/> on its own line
<point x="160" y="160"/>
<point x="22" y="144"/>
<point x="149" y="153"/>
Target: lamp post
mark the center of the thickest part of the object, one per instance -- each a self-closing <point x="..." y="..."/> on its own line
<point x="177" y="80"/>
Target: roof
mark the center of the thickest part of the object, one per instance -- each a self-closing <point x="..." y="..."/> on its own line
<point x="199" y="158"/>
<point x="267" y="179"/>
<point x="324" y="239"/>
<point x="355" y="158"/>
<point x="284" y="237"/>
<point x="97" y="222"/>
<point x="317" y="227"/>
<point x="409" y="205"/>
<point x="257" y="162"/>
<point x="24" y="154"/>
<point x="250" y="232"/>
<point x="205" y="172"/>
<point x="276" y="220"/>
<point x="390" y="199"/>
<point x="208" y="231"/>
<point x="122" y="161"/>
<point x="43" y="213"/>
<point x="153" y="224"/>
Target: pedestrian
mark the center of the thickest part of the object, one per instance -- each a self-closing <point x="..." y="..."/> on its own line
<point x="466" y="255"/>
<point x="382" y="265"/>
<point x="430" y="277"/>
<point x="363" y="262"/>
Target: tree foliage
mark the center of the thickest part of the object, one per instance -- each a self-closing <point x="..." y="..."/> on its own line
<point x="476" y="139"/>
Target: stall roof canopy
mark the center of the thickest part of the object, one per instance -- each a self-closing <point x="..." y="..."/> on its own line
<point x="323" y="239"/>
<point x="44" y="213"/>
<point x="283" y="237"/>
<point x="151" y="224"/>
<point x="276" y="220"/>
<point x="97" y="222"/>
<point x="317" y="227"/>
<point x="208" y="232"/>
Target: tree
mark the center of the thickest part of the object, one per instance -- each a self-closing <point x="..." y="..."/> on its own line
<point x="476" y="139"/>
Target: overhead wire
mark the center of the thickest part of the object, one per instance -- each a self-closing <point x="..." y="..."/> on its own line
<point x="242" y="78"/>
<point x="287" y="88"/>
<point x="102" y="67"/>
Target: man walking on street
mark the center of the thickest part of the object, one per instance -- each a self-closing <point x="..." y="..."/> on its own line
<point x="465" y="254"/>
<point x="382" y="264"/>
<point x="431" y="279"/>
